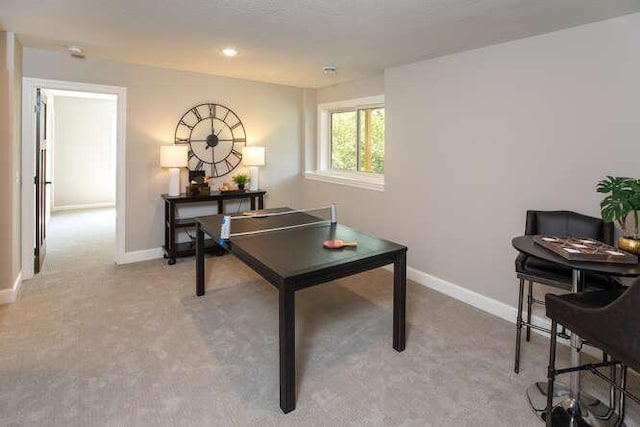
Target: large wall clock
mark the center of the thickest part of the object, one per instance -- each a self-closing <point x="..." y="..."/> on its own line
<point x="215" y="136"/>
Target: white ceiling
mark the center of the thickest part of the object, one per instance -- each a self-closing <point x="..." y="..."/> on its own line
<point x="289" y="41"/>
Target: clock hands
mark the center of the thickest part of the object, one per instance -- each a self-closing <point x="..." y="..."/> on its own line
<point x="204" y="140"/>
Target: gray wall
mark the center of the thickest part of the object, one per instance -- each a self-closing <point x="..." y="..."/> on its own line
<point x="10" y="122"/>
<point x="156" y="99"/>
<point x="474" y="139"/>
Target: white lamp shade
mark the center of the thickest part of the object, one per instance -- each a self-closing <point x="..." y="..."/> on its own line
<point x="173" y="156"/>
<point x="253" y="156"/>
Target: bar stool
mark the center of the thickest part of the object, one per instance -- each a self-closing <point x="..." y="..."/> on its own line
<point x="609" y="320"/>
<point x="536" y="270"/>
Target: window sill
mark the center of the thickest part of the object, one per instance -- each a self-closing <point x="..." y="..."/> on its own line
<point x="366" y="181"/>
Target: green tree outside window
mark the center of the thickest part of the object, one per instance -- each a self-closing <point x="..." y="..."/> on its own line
<point x="357" y="140"/>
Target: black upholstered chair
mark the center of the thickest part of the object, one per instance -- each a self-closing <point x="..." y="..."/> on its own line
<point x="609" y="320"/>
<point x="536" y="270"/>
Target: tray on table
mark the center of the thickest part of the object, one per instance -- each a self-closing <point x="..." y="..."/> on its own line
<point x="578" y="249"/>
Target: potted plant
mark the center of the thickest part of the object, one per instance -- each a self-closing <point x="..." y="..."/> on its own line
<point x="623" y="198"/>
<point x="241" y="180"/>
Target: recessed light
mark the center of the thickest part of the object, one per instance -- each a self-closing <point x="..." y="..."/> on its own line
<point x="329" y="69"/>
<point x="229" y="51"/>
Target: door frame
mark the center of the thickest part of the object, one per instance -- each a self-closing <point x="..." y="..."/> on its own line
<point x="29" y="86"/>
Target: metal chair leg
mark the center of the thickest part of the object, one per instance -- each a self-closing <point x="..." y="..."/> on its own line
<point x="516" y="365"/>
<point x="551" y="372"/>
<point x="614" y="377"/>
<point x="529" y="304"/>
<point x="613" y="398"/>
<point x="623" y="396"/>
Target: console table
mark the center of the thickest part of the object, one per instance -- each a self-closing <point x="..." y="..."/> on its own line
<point x="172" y="223"/>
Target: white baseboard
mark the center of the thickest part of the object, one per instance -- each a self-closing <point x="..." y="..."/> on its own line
<point x="484" y="303"/>
<point x="8" y="296"/>
<point x="143" y="255"/>
<point x="85" y="206"/>
<point x="489" y="305"/>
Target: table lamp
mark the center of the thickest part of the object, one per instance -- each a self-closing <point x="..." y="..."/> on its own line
<point x="253" y="157"/>
<point x="173" y="157"/>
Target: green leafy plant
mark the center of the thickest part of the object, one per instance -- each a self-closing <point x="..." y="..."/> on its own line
<point x="623" y="198"/>
<point x="241" y="178"/>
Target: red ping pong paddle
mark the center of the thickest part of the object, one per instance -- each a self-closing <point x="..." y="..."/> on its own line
<point x="338" y="244"/>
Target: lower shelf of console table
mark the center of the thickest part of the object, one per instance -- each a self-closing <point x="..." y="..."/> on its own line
<point x="172" y="224"/>
<point x="186" y="249"/>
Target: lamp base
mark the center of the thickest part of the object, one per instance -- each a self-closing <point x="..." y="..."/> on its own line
<point x="253" y="175"/>
<point x="174" y="182"/>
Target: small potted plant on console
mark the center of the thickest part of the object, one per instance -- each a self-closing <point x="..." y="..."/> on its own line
<point x="241" y="180"/>
<point x="623" y="199"/>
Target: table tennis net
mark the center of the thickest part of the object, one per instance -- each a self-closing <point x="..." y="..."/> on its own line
<point x="266" y="221"/>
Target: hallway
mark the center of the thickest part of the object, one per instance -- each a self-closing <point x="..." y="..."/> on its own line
<point x="79" y="239"/>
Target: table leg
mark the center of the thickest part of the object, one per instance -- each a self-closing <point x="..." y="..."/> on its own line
<point x="399" y="300"/>
<point x="253" y="203"/>
<point x="576" y="343"/>
<point x="287" y="350"/>
<point x="516" y="366"/>
<point x="172" y="233"/>
<point x="261" y="202"/>
<point x="199" y="260"/>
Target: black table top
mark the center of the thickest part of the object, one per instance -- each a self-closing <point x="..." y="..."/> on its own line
<point x="215" y="195"/>
<point x="526" y="245"/>
<point x="296" y="251"/>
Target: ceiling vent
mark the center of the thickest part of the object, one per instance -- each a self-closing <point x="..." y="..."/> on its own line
<point x="76" y="51"/>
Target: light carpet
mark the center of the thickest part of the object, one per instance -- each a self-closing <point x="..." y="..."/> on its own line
<point x="89" y="343"/>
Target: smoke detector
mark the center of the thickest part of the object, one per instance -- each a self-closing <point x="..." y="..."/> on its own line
<point x="329" y="69"/>
<point x="76" y="51"/>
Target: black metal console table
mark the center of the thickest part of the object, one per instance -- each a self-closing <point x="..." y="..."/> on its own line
<point x="172" y="223"/>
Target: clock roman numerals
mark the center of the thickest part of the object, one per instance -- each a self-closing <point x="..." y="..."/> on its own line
<point x="225" y="166"/>
<point x="183" y="123"/>
<point x="195" y="111"/>
<point x="236" y="153"/>
<point x="215" y="136"/>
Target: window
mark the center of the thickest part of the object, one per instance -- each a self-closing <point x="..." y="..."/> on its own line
<point x="357" y="139"/>
<point x="351" y="143"/>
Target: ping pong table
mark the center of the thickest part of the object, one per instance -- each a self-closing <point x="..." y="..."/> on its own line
<point x="291" y="257"/>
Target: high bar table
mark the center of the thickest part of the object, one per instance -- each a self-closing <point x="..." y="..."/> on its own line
<point x="294" y="258"/>
<point x="580" y="408"/>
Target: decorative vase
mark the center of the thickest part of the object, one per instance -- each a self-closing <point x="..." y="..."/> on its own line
<point x="241" y="187"/>
<point x="630" y="245"/>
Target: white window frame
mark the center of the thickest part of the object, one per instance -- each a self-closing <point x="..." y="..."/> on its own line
<point x="323" y="172"/>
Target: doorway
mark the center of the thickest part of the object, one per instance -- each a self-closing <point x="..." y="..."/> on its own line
<point x="81" y="178"/>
